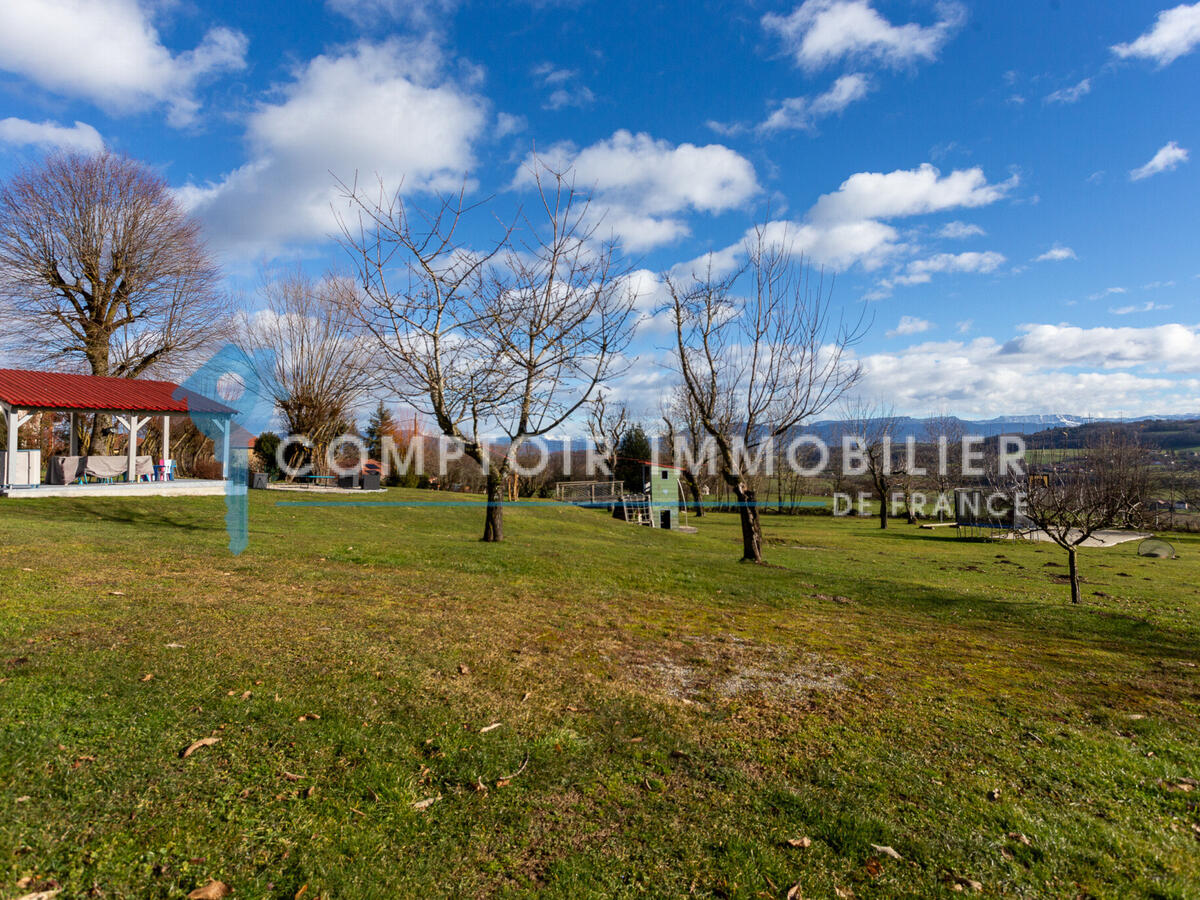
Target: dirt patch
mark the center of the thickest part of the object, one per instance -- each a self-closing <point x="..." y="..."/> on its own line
<point x="721" y="667"/>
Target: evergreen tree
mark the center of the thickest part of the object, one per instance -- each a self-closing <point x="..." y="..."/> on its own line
<point x="631" y="452"/>
<point x="379" y="425"/>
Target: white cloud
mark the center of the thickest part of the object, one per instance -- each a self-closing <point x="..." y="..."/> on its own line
<point x="1146" y="307"/>
<point x="565" y="89"/>
<point x="1057" y="253"/>
<point x="1125" y="370"/>
<point x="907" y="192"/>
<point x="1176" y="32"/>
<point x="1071" y="94"/>
<point x="109" y="52"/>
<point x="507" y="123"/>
<point x="644" y="187"/>
<point x="820" y="32"/>
<point x="22" y="132"/>
<point x="920" y="271"/>
<point x="965" y="326"/>
<point x="1167" y="158"/>
<point x="1107" y="292"/>
<point x="383" y="110"/>
<point x="427" y="14"/>
<point x="957" y="231"/>
<point x="850" y="225"/>
<point x="801" y="113"/>
<point x="910" y="325"/>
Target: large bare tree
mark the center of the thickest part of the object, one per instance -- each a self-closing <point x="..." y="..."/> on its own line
<point x="497" y="346"/>
<point x="307" y="355"/>
<point x="685" y="437"/>
<point x="1105" y="485"/>
<point x="102" y="269"/>
<point x="759" y="365"/>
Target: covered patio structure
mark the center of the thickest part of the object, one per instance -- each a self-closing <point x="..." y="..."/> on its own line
<point x="132" y="403"/>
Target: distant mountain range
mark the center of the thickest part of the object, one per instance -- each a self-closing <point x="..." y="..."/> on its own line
<point x="906" y="426"/>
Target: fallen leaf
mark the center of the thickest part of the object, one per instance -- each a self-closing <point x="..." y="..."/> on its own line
<point x="486" y="728"/>
<point x="79" y="761"/>
<point x="26" y="798"/>
<point x="886" y="851"/>
<point x="42" y="895"/>
<point x="300" y="893"/>
<point x="794" y="893"/>
<point x="802" y="842"/>
<point x="196" y="745"/>
<point x="26" y="569"/>
<point x="116" y="593"/>
<point x="873" y="867"/>
<point x="526" y="697"/>
<point x="307" y="716"/>
<point x="147" y="676"/>
<point x="174" y="646"/>
<point x="214" y="890"/>
<point x="464" y="669"/>
<point x="994" y="794"/>
<point x="844" y="893"/>
<point x="245" y="695"/>
<point x="291" y="777"/>
<point x="427" y="802"/>
<point x="1020" y="838"/>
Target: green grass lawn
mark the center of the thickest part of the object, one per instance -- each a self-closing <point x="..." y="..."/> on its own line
<point x="594" y="709"/>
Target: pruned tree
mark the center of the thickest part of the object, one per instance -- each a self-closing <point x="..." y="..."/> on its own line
<point x="607" y="423"/>
<point x="307" y="355"/>
<point x="101" y="268"/>
<point x="758" y="366"/>
<point x="1104" y="486"/>
<point x="497" y="346"/>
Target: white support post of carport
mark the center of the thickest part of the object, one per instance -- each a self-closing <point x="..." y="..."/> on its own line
<point x="134" y="425"/>
<point x="166" y="440"/>
<point x="226" y="427"/>
<point x="14" y="419"/>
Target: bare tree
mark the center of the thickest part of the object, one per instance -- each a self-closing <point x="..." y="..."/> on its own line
<point x="308" y="356"/>
<point x="873" y="428"/>
<point x="607" y="424"/>
<point x="1105" y="486"/>
<point x="507" y="343"/>
<point x="102" y="268"/>
<point x="758" y="366"/>
<point x="944" y="433"/>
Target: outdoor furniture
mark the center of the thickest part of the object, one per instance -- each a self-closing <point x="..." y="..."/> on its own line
<point x="319" y="479"/>
<point x="164" y="470"/>
<point x="69" y="469"/>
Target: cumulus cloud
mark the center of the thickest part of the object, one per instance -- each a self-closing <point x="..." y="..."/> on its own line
<point x="1102" y="371"/>
<point x="377" y="109"/>
<point x="821" y="32"/>
<point x="850" y="226"/>
<point x="425" y="14"/>
<point x="644" y="187"/>
<point x="1168" y="157"/>
<point x="23" y="133"/>
<point x="1057" y="253"/>
<point x="801" y="113"/>
<point x="957" y="231"/>
<point x="109" y="52"/>
<point x="910" y="325"/>
<point x="1071" y="94"/>
<point x="1176" y="32"/>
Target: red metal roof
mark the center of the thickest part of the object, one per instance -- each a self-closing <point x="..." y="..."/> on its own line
<point x="23" y="389"/>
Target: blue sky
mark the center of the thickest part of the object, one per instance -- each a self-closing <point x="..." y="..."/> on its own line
<point x="1008" y="187"/>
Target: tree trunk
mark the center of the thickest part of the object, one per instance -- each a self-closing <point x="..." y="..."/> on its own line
<point x="694" y="490"/>
<point x="751" y="528"/>
<point x="493" y="525"/>
<point x="883" y="511"/>
<point x="1074" y="564"/>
